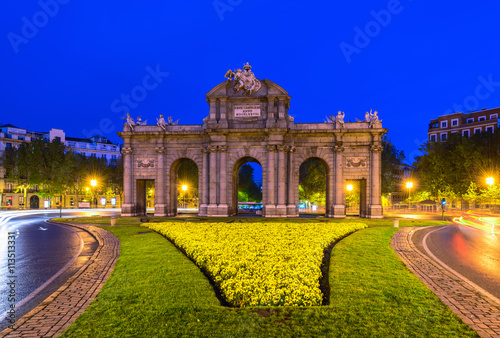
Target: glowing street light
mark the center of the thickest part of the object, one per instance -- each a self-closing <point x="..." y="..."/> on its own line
<point x="93" y="183"/>
<point x="490" y="181"/>
<point x="409" y="185"/>
<point x="349" y="188"/>
<point x="184" y="188"/>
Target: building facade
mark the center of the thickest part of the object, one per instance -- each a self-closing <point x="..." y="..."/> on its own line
<point x="13" y="197"/>
<point x="463" y="124"/>
<point x="248" y="122"/>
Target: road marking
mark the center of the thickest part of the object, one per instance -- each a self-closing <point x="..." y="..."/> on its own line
<point x="437" y="260"/>
<point x="61" y="271"/>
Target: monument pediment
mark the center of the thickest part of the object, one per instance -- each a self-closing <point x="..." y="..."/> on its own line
<point x="244" y="101"/>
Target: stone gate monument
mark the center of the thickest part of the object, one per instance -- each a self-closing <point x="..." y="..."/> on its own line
<point x="248" y="122"/>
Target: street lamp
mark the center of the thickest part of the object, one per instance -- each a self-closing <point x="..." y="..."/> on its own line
<point x="349" y="188"/>
<point x="93" y="183"/>
<point x="490" y="181"/>
<point x="409" y="185"/>
<point x="184" y="188"/>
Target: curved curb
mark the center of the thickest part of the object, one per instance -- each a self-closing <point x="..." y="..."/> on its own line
<point x="481" y="313"/>
<point x="64" y="306"/>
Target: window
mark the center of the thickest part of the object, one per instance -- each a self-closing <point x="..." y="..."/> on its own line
<point x="444" y="136"/>
<point x="454" y="122"/>
<point x="58" y="139"/>
<point x="8" y="145"/>
<point x="21" y="200"/>
<point x="444" y="124"/>
<point x="93" y="155"/>
<point x="493" y="116"/>
<point x="470" y="120"/>
<point x="477" y="130"/>
<point x="103" y="155"/>
<point x="465" y="133"/>
<point x="489" y="129"/>
<point x="433" y="137"/>
<point x="481" y="118"/>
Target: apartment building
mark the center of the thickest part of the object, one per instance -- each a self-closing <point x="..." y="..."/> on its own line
<point x="465" y="124"/>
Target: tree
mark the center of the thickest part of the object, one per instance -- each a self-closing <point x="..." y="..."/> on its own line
<point x="247" y="188"/>
<point x="392" y="159"/>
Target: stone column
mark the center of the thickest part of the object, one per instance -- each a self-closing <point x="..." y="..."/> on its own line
<point x="223" y="113"/>
<point x="222" y="208"/>
<point x="212" y="176"/>
<point x="204" y="185"/>
<point x="271" y="186"/>
<point x="291" y="208"/>
<point x="281" y="208"/>
<point x="375" y="208"/>
<point x="160" y="186"/>
<point x="338" y="209"/>
<point x="128" y="205"/>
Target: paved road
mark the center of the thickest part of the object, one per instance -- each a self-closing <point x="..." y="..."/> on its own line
<point x="43" y="254"/>
<point x="472" y="252"/>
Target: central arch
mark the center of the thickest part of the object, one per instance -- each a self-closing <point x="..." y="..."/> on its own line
<point x="236" y="169"/>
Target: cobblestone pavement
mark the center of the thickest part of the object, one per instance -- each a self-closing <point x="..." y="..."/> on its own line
<point x="60" y="309"/>
<point x="479" y="311"/>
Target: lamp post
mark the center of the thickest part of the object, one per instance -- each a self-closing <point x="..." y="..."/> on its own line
<point x="93" y="183"/>
<point x="490" y="181"/>
<point x="409" y="185"/>
<point x="184" y="188"/>
<point x="349" y="189"/>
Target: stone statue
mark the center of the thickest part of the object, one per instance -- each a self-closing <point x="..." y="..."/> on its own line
<point x="330" y="119"/>
<point x="160" y="122"/>
<point x="245" y="79"/>
<point x="374" y="118"/>
<point x="140" y="122"/>
<point x="340" y="118"/>
<point x="129" y="121"/>
<point x="171" y="122"/>
<point x="367" y="117"/>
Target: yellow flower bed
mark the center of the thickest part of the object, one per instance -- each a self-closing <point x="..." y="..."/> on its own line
<point x="259" y="264"/>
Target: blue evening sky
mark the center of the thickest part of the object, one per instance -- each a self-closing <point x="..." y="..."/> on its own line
<point x="68" y="64"/>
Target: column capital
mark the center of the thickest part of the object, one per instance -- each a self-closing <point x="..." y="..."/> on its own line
<point x="160" y="150"/>
<point x="280" y="148"/>
<point x="222" y="149"/>
<point x="211" y="149"/>
<point x="126" y="150"/>
<point x="289" y="149"/>
<point x="376" y="148"/>
<point x="338" y="148"/>
<point x="270" y="148"/>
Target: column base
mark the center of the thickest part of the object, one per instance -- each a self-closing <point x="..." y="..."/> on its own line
<point x="375" y="211"/>
<point x="338" y="211"/>
<point x="161" y="210"/>
<point x="223" y="210"/>
<point x="203" y="210"/>
<point x="128" y="210"/>
<point x="291" y="211"/>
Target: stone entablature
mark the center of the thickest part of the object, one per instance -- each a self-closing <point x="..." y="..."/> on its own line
<point x="242" y="126"/>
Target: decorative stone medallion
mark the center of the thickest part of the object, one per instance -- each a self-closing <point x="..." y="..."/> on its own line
<point x="145" y="163"/>
<point x="356" y="162"/>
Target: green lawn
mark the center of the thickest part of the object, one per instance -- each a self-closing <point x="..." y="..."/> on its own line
<point x="155" y="291"/>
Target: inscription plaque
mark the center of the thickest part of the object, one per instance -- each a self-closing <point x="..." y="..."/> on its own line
<point x="247" y="111"/>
